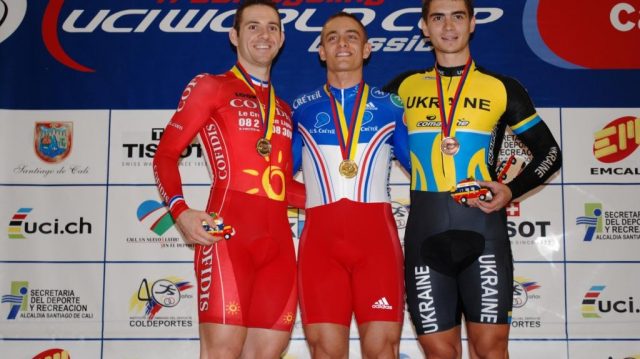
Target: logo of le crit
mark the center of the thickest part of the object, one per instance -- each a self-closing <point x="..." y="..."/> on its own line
<point x="53" y="140"/>
<point x="15" y="224"/>
<point x="56" y="353"/>
<point x="589" y="308"/>
<point x="617" y="140"/>
<point x="522" y="287"/>
<point x="17" y="299"/>
<point x="163" y="293"/>
<point x="612" y="24"/>
<point x="156" y="216"/>
<point x="592" y="220"/>
<point x="11" y="15"/>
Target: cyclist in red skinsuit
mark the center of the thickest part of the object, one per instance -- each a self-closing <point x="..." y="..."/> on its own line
<point x="246" y="285"/>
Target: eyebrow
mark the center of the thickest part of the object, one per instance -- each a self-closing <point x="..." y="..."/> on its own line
<point x="350" y="31"/>
<point x="459" y="12"/>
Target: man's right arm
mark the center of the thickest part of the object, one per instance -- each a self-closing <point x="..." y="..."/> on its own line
<point x="192" y="113"/>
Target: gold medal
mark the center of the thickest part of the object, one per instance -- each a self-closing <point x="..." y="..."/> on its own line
<point x="263" y="146"/>
<point x="348" y="168"/>
<point x="449" y="146"/>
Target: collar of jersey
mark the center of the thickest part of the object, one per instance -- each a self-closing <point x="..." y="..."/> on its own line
<point x="339" y="93"/>
<point x="256" y="81"/>
<point x="450" y="71"/>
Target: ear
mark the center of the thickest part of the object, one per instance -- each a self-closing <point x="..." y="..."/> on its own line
<point x="472" y="25"/>
<point x="366" y="51"/>
<point x="322" y="53"/>
<point x="281" y="39"/>
<point x="423" y="27"/>
<point x="233" y="37"/>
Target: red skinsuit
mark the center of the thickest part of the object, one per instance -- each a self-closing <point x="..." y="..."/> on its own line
<point x="248" y="280"/>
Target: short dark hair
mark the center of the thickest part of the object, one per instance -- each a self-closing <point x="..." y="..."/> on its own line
<point x="349" y="16"/>
<point x="426" y="3"/>
<point x="237" y="20"/>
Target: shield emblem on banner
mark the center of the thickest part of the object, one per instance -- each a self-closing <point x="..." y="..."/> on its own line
<point x="53" y="140"/>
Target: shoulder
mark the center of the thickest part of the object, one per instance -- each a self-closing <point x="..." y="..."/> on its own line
<point x="304" y="100"/>
<point x="393" y="86"/>
<point x="384" y="99"/>
<point x="511" y="85"/>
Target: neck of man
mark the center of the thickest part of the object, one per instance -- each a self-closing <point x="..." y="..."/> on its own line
<point x="453" y="59"/>
<point x="344" y="79"/>
<point x="257" y="71"/>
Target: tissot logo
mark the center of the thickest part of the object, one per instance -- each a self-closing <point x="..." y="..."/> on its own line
<point x="11" y="15"/>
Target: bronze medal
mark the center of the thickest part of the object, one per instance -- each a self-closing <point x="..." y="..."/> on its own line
<point x="263" y="146"/>
<point x="449" y="146"/>
<point x="348" y="168"/>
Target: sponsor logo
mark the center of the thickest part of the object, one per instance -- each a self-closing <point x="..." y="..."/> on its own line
<point x="523" y="293"/>
<point x="592" y="220"/>
<point x="614" y="24"/>
<point x="53" y="140"/>
<point x="397" y="101"/>
<point x="19" y="226"/>
<point x="524" y="232"/>
<point x="156" y="216"/>
<point x="150" y="299"/>
<point x="16" y="223"/>
<point x="400" y="213"/>
<point x="296" y="222"/>
<point x="609" y="225"/>
<point x="17" y="299"/>
<point x="594" y="306"/>
<point x="615" y="142"/>
<point x="55" y="353"/>
<point x="378" y="93"/>
<point x="522" y="288"/>
<point x="382" y="303"/>
<point x="189" y="17"/>
<point x="11" y="15"/>
<point x="45" y="303"/>
<point x="137" y="152"/>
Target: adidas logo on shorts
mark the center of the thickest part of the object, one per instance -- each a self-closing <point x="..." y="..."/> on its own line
<point x="382" y="303"/>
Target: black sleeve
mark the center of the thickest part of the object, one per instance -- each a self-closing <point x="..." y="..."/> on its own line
<point x="545" y="151"/>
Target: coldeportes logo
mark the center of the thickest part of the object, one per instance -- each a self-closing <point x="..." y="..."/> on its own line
<point x="522" y="288"/>
<point x="18" y="226"/>
<point x="17" y="299"/>
<point x="156" y="216"/>
<point x="55" y="353"/>
<point x="617" y="140"/>
<point x="593" y="306"/>
<point x="613" y="24"/>
<point x="592" y="220"/>
<point x="11" y="15"/>
<point x="163" y="293"/>
<point x="52" y="140"/>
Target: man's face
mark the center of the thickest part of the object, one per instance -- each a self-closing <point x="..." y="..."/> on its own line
<point x="449" y="26"/>
<point x="260" y="37"/>
<point x="344" y="45"/>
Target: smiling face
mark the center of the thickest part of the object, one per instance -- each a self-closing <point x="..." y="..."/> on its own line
<point x="258" y="38"/>
<point x="344" y="45"/>
<point x="449" y="26"/>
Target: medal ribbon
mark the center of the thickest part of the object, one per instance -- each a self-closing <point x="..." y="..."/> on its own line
<point x="268" y="114"/>
<point x="348" y="135"/>
<point x="447" y="122"/>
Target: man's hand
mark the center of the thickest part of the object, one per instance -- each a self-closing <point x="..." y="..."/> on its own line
<point x="501" y="197"/>
<point x="190" y="224"/>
